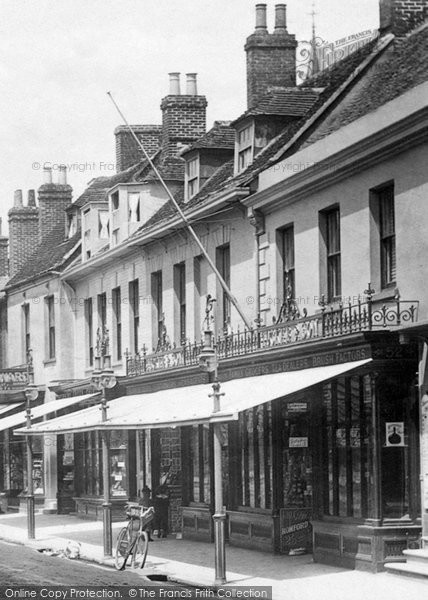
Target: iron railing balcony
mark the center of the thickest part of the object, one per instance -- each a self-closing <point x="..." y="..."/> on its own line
<point x="330" y="322"/>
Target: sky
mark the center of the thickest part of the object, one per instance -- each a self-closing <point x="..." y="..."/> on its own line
<point x="58" y="59"/>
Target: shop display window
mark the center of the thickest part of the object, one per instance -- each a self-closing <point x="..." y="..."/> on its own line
<point x="118" y="457"/>
<point x="296" y="455"/>
<point x="256" y="456"/>
<point x="37" y="473"/>
<point x="347" y="448"/>
<point x="199" y="464"/>
<point x="90" y="464"/>
<point x="66" y="466"/>
<point x="398" y="431"/>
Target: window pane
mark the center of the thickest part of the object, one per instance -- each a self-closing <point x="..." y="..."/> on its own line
<point x="333" y="232"/>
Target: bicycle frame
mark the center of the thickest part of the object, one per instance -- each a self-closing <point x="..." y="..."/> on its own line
<point x="130" y="540"/>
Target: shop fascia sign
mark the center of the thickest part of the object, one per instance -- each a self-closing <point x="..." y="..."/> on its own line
<point x="14" y="378"/>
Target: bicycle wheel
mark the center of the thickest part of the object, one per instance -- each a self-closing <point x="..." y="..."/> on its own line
<point x="123" y="548"/>
<point x="139" y="554"/>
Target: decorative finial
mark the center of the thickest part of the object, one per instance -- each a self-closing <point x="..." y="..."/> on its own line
<point x="208" y="310"/>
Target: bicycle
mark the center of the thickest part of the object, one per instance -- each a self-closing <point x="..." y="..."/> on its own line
<point x="133" y="540"/>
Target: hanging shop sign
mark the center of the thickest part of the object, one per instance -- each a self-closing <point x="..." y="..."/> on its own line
<point x="394" y="435"/>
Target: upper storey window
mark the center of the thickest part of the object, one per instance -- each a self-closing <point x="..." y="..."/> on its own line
<point x="103" y="225"/>
<point x="192" y="177"/>
<point x="134" y="207"/>
<point x="244" y="147"/>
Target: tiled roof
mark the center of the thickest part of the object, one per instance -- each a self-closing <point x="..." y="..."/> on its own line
<point x="220" y="176"/>
<point x="221" y="135"/>
<point x="287" y="102"/>
<point x="402" y="66"/>
<point x="330" y="80"/>
<point x="50" y="254"/>
<point x="98" y="187"/>
<point x="170" y="168"/>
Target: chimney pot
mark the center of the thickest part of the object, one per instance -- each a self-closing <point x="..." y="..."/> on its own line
<point x="191" y="84"/>
<point x="31" y="198"/>
<point x="261" y="23"/>
<point x="47" y="175"/>
<point x="17" y="199"/>
<point x="174" y="84"/>
<point x="62" y="175"/>
<point x="280" y="18"/>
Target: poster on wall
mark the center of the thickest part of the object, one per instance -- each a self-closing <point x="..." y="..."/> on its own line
<point x="394" y="435"/>
<point x="296" y="530"/>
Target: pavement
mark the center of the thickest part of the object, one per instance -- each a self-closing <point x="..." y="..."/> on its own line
<point x="192" y="563"/>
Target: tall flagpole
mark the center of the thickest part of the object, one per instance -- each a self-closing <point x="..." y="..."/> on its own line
<point x="184" y="218"/>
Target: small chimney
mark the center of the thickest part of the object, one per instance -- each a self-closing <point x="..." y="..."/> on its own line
<point x="17" y="199"/>
<point x="174" y="84"/>
<point x="31" y="198"/>
<point x="280" y="18"/>
<point x="261" y="23"/>
<point x="62" y="175"/>
<point x="191" y="84"/>
<point x="47" y="175"/>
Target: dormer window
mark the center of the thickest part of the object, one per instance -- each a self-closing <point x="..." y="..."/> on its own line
<point x="71" y="225"/>
<point x="192" y="177"/>
<point x="244" y="147"/>
<point x="103" y="225"/>
<point x="134" y="207"/>
<point x="115" y="201"/>
<point x="87" y="243"/>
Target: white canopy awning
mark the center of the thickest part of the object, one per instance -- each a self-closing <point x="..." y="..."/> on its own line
<point x="4" y="408"/>
<point x="40" y="411"/>
<point x="191" y="405"/>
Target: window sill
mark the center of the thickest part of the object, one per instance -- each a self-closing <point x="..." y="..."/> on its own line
<point x="385" y="294"/>
<point x="49" y="361"/>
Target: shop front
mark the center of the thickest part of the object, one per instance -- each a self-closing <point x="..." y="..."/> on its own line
<point x="332" y="468"/>
<point x="319" y="444"/>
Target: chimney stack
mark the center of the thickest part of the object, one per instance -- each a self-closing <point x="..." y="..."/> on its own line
<point x="174" y="84"/>
<point x="4" y="261"/>
<point x="271" y="57"/>
<point x="261" y="22"/>
<point x="128" y="152"/>
<point x="53" y="200"/>
<point x="23" y="231"/>
<point x="183" y="117"/>
<point x="191" y="84"/>
<point x="280" y="18"/>
<point x="400" y="16"/>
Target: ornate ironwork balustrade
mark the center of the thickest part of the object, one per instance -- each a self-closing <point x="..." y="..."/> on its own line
<point x="330" y="322"/>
